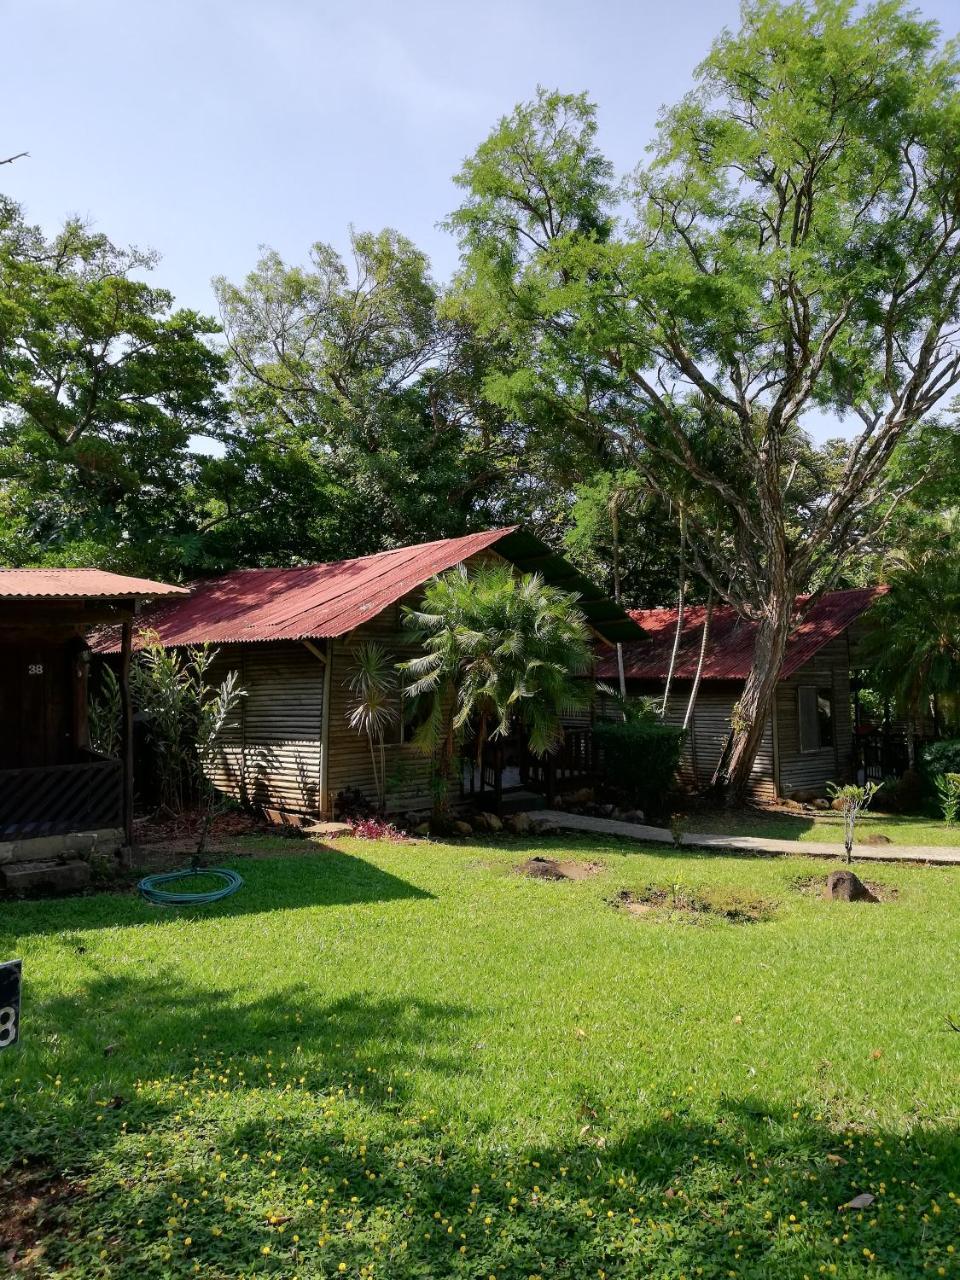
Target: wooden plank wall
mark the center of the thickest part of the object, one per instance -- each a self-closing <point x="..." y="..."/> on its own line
<point x="813" y="770"/>
<point x="407" y="769"/>
<point x="270" y="755"/>
<point x="708" y="733"/>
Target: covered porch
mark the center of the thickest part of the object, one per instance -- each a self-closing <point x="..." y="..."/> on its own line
<point x="58" y="796"/>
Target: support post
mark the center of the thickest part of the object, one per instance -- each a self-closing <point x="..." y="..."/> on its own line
<point x="126" y="706"/>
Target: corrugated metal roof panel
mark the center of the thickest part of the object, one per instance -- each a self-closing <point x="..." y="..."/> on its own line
<point x="324" y="600"/>
<point x="76" y="584"/>
<point x="732" y="638"/>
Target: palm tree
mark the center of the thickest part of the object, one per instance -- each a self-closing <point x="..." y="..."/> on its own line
<point x="500" y="650"/>
<point x="913" y="645"/>
<point x="372" y="682"/>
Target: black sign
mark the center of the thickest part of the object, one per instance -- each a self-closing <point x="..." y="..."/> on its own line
<point x="9" y="1002"/>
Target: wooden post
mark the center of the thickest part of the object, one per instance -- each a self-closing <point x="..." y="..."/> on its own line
<point x="126" y="645"/>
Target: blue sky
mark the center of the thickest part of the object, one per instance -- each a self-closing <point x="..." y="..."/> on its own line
<point x="205" y="128"/>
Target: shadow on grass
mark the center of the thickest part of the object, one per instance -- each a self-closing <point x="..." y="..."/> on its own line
<point x="316" y="1185"/>
<point x="171" y="1127"/>
<point x="331" y="878"/>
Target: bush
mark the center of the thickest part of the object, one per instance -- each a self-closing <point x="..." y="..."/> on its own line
<point x="903" y="795"/>
<point x="948" y="792"/>
<point x="941" y="757"/>
<point x="638" y="759"/>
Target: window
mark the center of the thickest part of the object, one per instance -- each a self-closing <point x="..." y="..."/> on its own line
<point x="815" y="715"/>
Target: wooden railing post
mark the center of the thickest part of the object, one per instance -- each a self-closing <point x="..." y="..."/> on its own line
<point x="126" y="707"/>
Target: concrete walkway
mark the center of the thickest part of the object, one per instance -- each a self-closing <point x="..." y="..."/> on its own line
<point x="946" y="855"/>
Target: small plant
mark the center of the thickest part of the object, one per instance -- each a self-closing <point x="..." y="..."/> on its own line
<point x="105" y="714"/>
<point x="853" y="801"/>
<point x="374" y="706"/>
<point x="377" y="829"/>
<point x="948" y="793"/>
<point x="678" y="824"/>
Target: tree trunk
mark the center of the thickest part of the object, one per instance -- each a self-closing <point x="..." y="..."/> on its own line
<point x="615" y="525"/>
<point x="750" y="714"/>
<point x="701" y="658"/>
<point x="681" y="599"/>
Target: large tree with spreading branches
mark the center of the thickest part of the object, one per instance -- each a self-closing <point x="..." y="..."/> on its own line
<point x="792" y="246"/>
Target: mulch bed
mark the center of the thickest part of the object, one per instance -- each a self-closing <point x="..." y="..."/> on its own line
<point x="552" y="869"/>
<point x="658" y="903"/>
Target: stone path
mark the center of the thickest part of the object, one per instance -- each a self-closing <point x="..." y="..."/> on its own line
<point x="946" y="855"/>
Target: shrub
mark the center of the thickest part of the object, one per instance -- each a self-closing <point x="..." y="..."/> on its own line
<point x="948" y="793"/>
<point x="905" y="794"/>
<point x="942" y="757"/>
<point x="638" y="759"/>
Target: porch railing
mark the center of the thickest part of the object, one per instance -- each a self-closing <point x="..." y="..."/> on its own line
<point x="59" y="799"/>
<point x="880" y="755"/>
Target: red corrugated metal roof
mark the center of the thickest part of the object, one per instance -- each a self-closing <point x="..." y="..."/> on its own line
<point x="72" y="584"/>
<point x="732" y="638"/>
<point x="313" y="602"/>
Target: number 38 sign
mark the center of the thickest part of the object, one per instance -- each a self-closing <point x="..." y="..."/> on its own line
<point x="9" y="1002"/>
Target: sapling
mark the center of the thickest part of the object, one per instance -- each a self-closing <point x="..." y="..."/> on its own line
<point x="853" y="800"/>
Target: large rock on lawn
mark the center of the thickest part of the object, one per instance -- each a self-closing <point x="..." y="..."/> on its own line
<point x="844" y="886"/>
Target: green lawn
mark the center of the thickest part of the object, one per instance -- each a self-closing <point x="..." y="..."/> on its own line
<point x="824" y="826"/>
<point x="405" y="1061"/>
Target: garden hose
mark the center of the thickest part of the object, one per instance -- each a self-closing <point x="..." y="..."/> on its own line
<point x="149" y="887"/>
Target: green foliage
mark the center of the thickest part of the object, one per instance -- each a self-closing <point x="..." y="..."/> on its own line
<point x="948" y="793"/>
<point x="359" y="418"/>
<point x="942" y="757"/>
<point x="372" y="706"/>
<point x="638" y="759"/>
<point x="185" y="715"/>
<point x="102" y="384"/>
<point x="792" y="246"/>
<point x="853" y="799"/>
<point x="105" y="711"/>
<point x="912" y="648"/>
<point x="500" y="651"/>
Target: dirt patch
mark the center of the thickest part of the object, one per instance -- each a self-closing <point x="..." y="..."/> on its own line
<point x="680" y="904"/>
<point x="551" y="869"/>
<point x="32" y="1207"/>
<point x="816" y="887"/>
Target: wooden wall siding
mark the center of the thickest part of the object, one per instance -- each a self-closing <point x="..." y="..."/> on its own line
<point x="813" y="770"/>
<point x="708" y="733"/>
<point x="408" y="770"/>
<point x="270" y="756"/>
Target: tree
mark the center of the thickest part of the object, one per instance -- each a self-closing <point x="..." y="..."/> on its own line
<point x="102" y="384"/>
<point x="372" y="706"/>
<point x="500" y="651"/>
<point x="912" y="648"/>
<point x="794" y="245"/>
<point x="358" y="418"/>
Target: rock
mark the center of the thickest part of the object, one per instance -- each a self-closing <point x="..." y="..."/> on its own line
<point x="422" y="829"/>
<point x="329" y="830"/>
<point x="608" y="810"/>
<point x="460" y="828"/>
<point x="844" y="886"/>
<point x="820" y="803"/>
<point x="59" y="877"/>
<point x="583" y="796"/>
<point x="633" y="815"/>
<point x="487" y="822"/>
<point x="542" y="826"/>
<point x="519" y="823"/>
<point x="804" y="797"/>
<point x="837" y="805"/>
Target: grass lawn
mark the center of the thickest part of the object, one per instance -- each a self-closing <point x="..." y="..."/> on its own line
<point x="824" y="826"/>
<point x="406" y="1061"/>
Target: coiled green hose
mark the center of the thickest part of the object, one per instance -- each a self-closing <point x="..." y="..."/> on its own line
<point x="149" y="887"/>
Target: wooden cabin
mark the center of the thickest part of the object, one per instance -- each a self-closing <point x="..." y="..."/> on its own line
<point x="52" y="785"/>
<point x="809" y="739"/>
<point x="290" y="634"/>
